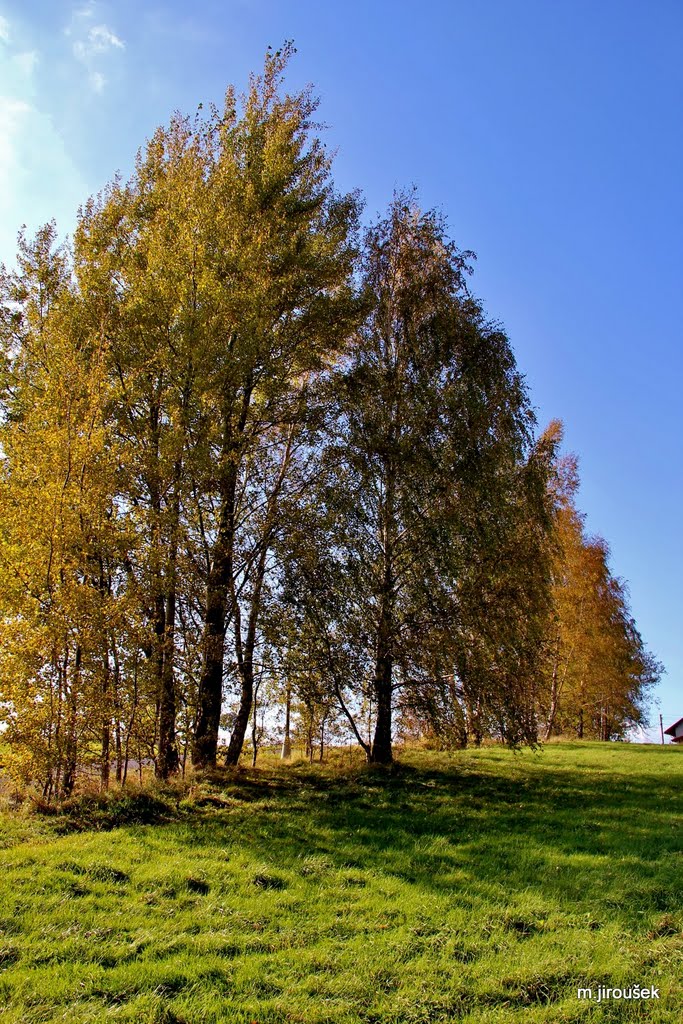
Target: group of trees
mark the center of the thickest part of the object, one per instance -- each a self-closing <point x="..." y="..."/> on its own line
<point x="599" y="673"/>
<point x="250" y="454"/>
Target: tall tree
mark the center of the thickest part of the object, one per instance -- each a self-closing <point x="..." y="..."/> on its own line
<point x="60" y="531"/>
<point x="282" y="261"/>
<point x="141" y="255"/>
<point x="599" y="672"/>
<point x="431" y="420"/>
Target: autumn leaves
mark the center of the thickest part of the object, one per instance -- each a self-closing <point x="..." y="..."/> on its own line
<point x="240" y="442"/>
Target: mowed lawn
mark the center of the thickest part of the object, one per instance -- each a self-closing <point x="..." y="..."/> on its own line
<point x="480" y="886"/>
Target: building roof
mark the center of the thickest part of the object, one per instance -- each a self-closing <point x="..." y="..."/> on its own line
<point x="671" y="731"/>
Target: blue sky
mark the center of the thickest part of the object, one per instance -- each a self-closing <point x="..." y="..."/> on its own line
<point x="548" y="133"/>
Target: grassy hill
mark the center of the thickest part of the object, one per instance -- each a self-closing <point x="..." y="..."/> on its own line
<point x="482" y="886"/>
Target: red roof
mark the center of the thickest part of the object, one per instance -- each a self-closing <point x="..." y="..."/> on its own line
<point x="671" y="731"/>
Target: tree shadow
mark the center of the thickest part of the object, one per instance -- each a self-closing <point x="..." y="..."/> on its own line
<point x="598" y="838"/>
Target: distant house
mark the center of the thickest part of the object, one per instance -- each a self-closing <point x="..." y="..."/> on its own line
<point x="675" y="731"/>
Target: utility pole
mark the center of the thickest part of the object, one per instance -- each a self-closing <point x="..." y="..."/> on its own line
<point x="661" y="728"/>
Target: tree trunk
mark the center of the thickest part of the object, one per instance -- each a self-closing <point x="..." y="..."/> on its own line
<point x="104" y="768"/>
<point x="117" y="714"/>
<point x="244" y="653"/>
<point x="554" y="700"/>
<point x="106" y="725"/>
<point x="59" y="727"/>
<point x="322" y="739"/>
<point x="241" y="723"/>
<point x="70" y="760"/>
<point x="210" y="695"/>
<point x="286" y="752"/>
<point x="159" y="582"/>
<point x="381" y="752"/>
<point x="119" y="752"/>
<point x="159" y="626"/>
<point x="218" y="589"/>
<point x="131" y="722"/>
<point x="167" y="760"/>
<point x="381" y="745"/>
<point x="254" y="735"/>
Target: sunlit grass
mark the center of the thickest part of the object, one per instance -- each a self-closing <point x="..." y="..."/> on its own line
<point x="481" y="886"/>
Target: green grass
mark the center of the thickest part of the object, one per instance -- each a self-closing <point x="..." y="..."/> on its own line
<point x="480" y="886"/>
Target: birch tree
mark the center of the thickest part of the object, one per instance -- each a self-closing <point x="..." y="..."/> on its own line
<point x="430" y="427"/>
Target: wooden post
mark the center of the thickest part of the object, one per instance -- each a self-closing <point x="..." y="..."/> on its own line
<point x="661" y="729"/>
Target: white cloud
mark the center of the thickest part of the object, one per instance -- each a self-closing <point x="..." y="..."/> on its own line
<point x="102" y="38"/>
<point x="99" y="40"/>
<point x="92" y="44"/>
<point x="38" y="179"/>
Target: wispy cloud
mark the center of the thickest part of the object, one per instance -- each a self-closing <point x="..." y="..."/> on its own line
<point x="38" y="176"/>
<point x="99" y="40"/>
<point x="92" y="43"/>
<point x="30" y="150"/>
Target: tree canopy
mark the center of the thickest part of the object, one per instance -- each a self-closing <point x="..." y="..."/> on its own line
<point x="246" y="446"/>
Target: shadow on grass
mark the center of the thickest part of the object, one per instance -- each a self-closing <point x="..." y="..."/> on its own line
<point x="103" y="812"/>
<point x="564" y="836"/>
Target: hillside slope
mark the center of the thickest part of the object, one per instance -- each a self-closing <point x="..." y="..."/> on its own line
<point x="482" y="886"/>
